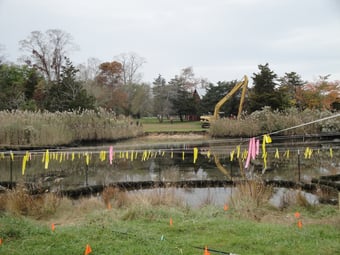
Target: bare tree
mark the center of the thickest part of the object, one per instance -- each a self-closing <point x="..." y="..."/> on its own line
<point x="47" y="51"/>
<point x="131" y="63"/>
<point x="189" y="80"/>
<point x="88" y="71"/>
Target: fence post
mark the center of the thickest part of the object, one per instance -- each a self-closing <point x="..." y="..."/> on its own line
<point x="299" y="166"/>
<point x="11" y="170"/>
<point x="86" y="175"/>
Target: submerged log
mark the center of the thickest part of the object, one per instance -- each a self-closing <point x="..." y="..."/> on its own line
<point x="329" y="183"/>
<point x="334" y="178"/>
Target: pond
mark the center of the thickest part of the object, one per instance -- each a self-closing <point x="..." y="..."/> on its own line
<point x="170" y="158"/>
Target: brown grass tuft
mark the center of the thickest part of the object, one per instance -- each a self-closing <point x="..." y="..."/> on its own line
<point x="19" y="202"/>
<point x="114" y="197"/>
<point x="250" y="197"/>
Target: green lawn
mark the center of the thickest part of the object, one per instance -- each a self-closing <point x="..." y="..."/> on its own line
<point x="146" y="230"/>
<point x="152" y="125"/>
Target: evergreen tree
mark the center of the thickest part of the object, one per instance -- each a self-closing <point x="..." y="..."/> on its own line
<point x="69" y="93"/>
<point x="182" y="100"/>
<point x="289" y="86"/>
<point x="264" y="92"/>
<point x="161" y="98"/>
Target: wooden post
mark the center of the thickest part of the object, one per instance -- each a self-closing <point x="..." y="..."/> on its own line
<point x="299" y="167"/>
<point x="11" y="170"/>
<point x="86" y="175"/>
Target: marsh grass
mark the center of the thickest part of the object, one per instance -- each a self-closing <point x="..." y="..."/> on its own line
<point x="250" y="198"/>
<point x="34" y="129"/>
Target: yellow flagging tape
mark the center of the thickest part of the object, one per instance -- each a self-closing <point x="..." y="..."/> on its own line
<point x="47" y="159"/>
<point x="195" y="155"/>
<point x="232" y="153"/>
<point x="238" y="149"/>
<point x="24" y="161"/>
<point x="266" y="139"/>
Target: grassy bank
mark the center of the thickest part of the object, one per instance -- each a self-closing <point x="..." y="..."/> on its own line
<point x="257" y="123"/>
<point x="152" y="125"/>
<point x="121" y="223"/>
<point x="145" y="231"/>
<point x="39" y="129"/>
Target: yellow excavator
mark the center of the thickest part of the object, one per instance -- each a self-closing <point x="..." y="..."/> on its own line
<point x="207" y="119"/>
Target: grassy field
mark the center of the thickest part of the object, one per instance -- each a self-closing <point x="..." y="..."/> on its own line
<point x="152" y="125"/>
<point x="142" y="226"/>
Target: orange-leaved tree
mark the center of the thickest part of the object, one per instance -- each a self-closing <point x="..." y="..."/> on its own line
<point x="322" y="94"/>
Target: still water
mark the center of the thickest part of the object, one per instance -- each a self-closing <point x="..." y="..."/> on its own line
<point x="170" y="158"/>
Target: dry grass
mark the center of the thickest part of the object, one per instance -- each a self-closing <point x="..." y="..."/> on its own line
<point x="266" y="121"/>
<point x="249" y="200"/>
<point x="114" y="197"/>
<point x="19" y="202"/>
<point x="251" y="197"/>
<point x="156" y="197"/>
<point x="23" y="128"/>
<point x="293" y="198"/>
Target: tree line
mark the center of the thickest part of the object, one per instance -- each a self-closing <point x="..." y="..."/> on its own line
<point x="48" y="80"/>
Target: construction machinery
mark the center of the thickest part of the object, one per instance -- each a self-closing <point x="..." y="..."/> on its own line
<point x="207" y="119"/>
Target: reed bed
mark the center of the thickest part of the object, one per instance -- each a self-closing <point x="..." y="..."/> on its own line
<point x="38" y="129"/>
<point x="267" y="121"/>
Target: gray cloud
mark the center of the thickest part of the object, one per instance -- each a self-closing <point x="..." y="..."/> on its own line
<point x="220" y="39"/>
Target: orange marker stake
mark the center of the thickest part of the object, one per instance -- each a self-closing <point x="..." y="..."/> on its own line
<point x="299" y="224"/>
<point x="297" y="215"/>
<point x="0" y="241"/>
<point x="206" y="252"/>
<point x="88" y="250"/>
<point x="171" y="223"/>
<point x="52" y="227"/>
<point x="109" y="207"/>
<point x="226" y="207"/>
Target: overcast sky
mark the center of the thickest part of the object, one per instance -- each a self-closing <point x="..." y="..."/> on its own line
<point x="220" y="39"/>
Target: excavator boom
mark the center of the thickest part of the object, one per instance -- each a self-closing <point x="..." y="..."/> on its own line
<point x="242" y="84"/>
<point x="219" y="104"/>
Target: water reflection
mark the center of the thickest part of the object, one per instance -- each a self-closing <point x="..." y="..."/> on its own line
<point x="163" y="160"/>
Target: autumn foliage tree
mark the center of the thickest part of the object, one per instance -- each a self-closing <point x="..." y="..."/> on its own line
<point x="112" y="95"/>
<point x="322" y="94"/>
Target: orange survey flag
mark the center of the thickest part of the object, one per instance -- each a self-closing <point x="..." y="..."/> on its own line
<point x="297" y="215"/>
<point x="0" y="241"/>
<point x="52" y="227"/>
<point x="88" y="250"/>
<point x="206" y="252"/>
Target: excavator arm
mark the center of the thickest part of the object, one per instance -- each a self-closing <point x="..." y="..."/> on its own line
<point x="242" y="84"/>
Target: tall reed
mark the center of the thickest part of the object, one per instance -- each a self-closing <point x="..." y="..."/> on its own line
<point x="24" y="128"/>
<point x="266" y="121"/>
